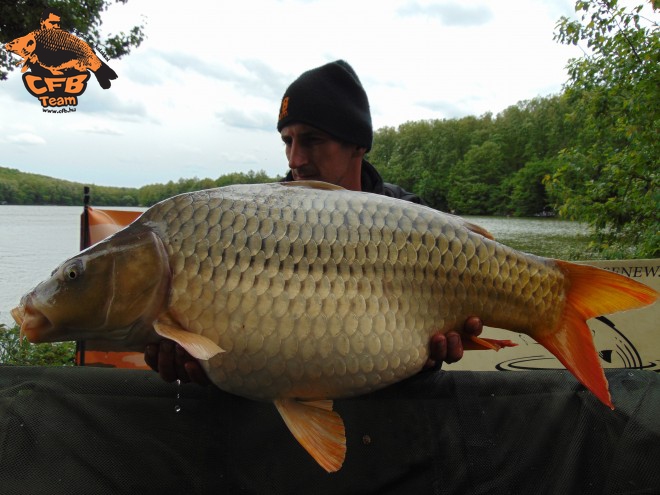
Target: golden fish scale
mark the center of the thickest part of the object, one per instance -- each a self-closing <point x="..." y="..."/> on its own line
<point x="334" y="293"/>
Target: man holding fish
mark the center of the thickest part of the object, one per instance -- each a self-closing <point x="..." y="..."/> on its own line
<point x="303" y="292"/>
<point x="325" y="124"/>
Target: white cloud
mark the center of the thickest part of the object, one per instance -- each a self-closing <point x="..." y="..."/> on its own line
<point x="450" y="13"/>
<point x="244" y="120"/>
<point x="26" y="138"/>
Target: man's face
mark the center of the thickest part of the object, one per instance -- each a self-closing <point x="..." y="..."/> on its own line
<point x="53" y="22"/>
<point x="315" y="155"/>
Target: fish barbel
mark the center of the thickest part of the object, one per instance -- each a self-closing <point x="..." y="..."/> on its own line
<point x="301" y="293"/>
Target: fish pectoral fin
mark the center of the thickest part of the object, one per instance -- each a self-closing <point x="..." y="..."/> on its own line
<point x="318" y="428"/>
<point x="198" y="346"/>
<point x="473" y="343"/>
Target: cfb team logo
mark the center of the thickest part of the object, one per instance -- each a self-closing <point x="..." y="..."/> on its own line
<point x="58" y="63"/>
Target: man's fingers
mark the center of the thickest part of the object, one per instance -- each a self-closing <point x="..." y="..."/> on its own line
<point x="180" y="359"/>
<point x="454" y="348"/>
<point x="151" y="356"/>
<point x="166" y="366"/>
<point x="196" y="373"/>
<point x="437" y="352"/>
<point x="473" y="326"/>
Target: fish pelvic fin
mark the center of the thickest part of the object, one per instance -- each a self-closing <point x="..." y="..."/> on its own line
<point x="196" y="345"/>
<point x="474" y="343"/>
<point x="318" y="428"/>
<point x="590" y="292"/>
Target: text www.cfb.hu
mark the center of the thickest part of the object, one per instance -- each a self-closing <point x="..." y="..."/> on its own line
<point x="61" y="110"/>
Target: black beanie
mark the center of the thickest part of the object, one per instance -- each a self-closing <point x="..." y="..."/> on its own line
<point x="332" y="99"/>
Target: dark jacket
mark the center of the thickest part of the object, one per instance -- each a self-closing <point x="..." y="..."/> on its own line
<point x="372" y="182"/>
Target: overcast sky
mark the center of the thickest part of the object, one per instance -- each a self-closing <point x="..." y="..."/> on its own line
<point x="200" y="96"/>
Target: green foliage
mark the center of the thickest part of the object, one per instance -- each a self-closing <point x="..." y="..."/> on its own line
<point x="17" y="351"/>
<point x="527" y="188"/>
<point x="80" y="18"/>
<point x="153" y="193"/>
<point x="470" y="165"/>
<point x="20" y="188"/>
<point x="478" y="181"/>
<point x="609" y="173"/>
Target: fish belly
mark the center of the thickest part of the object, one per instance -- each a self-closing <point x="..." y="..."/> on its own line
<point x="328" y="294"/>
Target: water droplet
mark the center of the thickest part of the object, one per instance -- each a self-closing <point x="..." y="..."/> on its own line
<point x="177" y="406"/>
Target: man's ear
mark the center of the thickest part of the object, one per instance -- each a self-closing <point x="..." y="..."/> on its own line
<point x="359" y="152"/>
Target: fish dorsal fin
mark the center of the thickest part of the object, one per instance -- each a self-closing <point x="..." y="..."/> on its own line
<point x="318" y="428"/>
<point x="477" y="229"/>
<point x="314" y="184"/>
<point x="196" y="345"/>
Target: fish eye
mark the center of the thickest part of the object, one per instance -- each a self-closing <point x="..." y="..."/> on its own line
<point x="73" y="270"/>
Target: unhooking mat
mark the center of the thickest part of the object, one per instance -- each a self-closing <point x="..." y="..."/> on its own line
<point x="110" y="431"/>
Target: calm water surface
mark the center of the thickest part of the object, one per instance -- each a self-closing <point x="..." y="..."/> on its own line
<point x="34" y="240"/>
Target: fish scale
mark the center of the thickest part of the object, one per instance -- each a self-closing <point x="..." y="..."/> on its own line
<point x="338" y="273"/>
<point x="301" y="293"/>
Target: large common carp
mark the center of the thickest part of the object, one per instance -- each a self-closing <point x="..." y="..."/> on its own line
<point x="303" y="293"/>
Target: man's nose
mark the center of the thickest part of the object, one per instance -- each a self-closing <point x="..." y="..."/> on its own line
<point x="297" y="155"/>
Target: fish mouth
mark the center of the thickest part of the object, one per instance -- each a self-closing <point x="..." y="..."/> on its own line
<point x="34" y="324"/>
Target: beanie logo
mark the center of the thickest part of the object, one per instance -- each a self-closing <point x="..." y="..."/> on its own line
<point x="284" y="109"/>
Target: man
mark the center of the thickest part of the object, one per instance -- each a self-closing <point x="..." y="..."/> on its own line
<point x="50" y="19"/>
<point x="325" y="124"/>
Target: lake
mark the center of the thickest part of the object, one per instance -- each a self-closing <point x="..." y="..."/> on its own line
<point x="34" y="240"/>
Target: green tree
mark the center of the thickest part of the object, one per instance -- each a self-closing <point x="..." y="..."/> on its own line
<point x="19" y="18"/>
<point x="477" y="181"/>
<point x="528" y="192"/>
<point x="15" y="350"/>
<point x="609" y="175"/>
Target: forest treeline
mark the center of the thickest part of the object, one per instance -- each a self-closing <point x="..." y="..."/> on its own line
<point x="488" y="165"/>
<point x="590" y="153"/>
<point x="20" y="188"/>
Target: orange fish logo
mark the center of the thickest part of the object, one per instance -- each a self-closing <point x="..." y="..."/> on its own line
<point x="59" y="63"/>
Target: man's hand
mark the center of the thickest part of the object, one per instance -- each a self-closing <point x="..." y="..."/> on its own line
<point x="448" y="347"/>
<point x="172" y="362"/>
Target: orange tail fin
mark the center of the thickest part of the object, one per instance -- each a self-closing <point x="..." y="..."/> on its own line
<point x="590" y="292"/>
